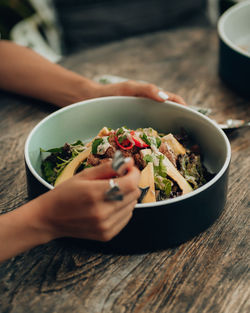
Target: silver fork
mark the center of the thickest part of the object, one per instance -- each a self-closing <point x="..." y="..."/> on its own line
<point x="231" y="124"/>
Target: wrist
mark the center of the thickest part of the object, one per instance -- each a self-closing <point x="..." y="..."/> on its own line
<point x="39" y="218"/>
<point x="77" y="88"/>
<point x="34" y="223"/>
<point x="22" y="229"/>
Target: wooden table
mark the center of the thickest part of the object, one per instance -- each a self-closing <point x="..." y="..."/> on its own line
<point x="207" y="274"/>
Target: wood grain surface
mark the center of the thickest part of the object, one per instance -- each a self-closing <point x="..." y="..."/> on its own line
<point x="210" y="273"/>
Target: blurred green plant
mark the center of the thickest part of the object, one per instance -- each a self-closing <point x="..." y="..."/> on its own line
<point x="12" y="12"/>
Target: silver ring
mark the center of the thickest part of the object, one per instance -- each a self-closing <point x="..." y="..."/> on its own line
<point x="113" y="193"/>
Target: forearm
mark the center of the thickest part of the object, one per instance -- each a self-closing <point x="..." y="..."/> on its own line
<point x="21" y="230"/>
<point x="25" y="72"/>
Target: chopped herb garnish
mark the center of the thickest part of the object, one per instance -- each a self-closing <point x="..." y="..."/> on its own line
<point x="95" y="144"/>
<point x="144" y="137"/>
<point x="148" y="158"/>
<point x="120" y="131"/>
<point x="122" y="138"/>
<point x="158" y="142"/>
<point x="168" y="187"/>
<point x="78" y="143"/>
<point x="160" y="169"/>
<point x="163" y="184"/>
<point x="48" y="171"/>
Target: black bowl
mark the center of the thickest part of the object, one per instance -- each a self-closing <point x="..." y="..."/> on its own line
<point x="157" y="225"/>
<point x="234" y="48"/>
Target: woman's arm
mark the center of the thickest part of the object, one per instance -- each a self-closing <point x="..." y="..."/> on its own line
<point x="76" y="208"/>
<point x="25" y="72"/>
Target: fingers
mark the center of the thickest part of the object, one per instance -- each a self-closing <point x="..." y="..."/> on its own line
<point x="81" y="209"/>
<point x="153" y="92"/>
<point x="159" y="95"/>
<point x="119" y="220"/>
<point x="176" y="98"/>
<point x="103" y="221"/>
<point x="104" y="229"/>
<point x="129" y="182"/>
<point x="139" y="89"/>
<point x="128" y="198"/>
<point x="106" y="217"/>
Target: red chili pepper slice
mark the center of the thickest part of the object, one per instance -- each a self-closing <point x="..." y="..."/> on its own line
<point x="138" y="141"/>
<point x="126" y="144"/>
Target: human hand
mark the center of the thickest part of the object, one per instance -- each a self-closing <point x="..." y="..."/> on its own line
<point x="138" y="89"/>
<point x="77" y="207"/>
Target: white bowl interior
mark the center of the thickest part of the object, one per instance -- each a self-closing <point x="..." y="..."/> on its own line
<point x="234" y="27"/>
<point x="83" y="120"/>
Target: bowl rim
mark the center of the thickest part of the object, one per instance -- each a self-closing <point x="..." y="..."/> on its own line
<point x="221" y="29"/>
<point x="139" y="205"/>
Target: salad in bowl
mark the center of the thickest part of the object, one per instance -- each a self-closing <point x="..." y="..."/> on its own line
<point x="170" y="165"/>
